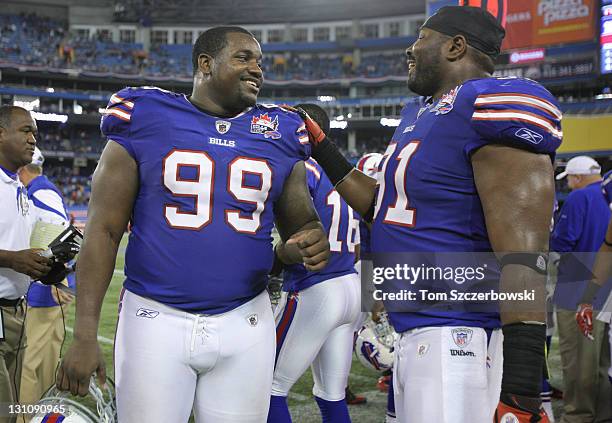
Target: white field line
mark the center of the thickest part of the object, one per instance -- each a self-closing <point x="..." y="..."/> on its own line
<point x="102" y="339"/>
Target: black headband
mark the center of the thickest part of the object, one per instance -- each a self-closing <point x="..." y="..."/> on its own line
<point x="479" y="27"/>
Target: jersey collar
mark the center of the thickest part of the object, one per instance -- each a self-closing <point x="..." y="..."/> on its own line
<point x="8" y="176"/>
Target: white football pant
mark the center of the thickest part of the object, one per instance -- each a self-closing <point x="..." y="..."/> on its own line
<point x="168" y="361"/>
<point x="446" y="376"/>
<point x="315" y="326"/>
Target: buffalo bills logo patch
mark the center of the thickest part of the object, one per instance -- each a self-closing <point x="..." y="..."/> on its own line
<point x="446" y="103"/>
<point x="222" y="126"/>
<point x="462" y="336"/>
<point x="265" y="125"/>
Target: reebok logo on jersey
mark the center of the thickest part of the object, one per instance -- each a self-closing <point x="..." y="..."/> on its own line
<point x="529" y="135"/>
<point x="462" y="336"/>
<point x="408" y="129"/>
<point x="149" y="314"/>
<point x="222" y="126"/>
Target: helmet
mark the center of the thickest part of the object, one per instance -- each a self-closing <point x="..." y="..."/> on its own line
<point x="374" y="344"/>
<point x="55" y="404"/>
<point x="368" y="164"/>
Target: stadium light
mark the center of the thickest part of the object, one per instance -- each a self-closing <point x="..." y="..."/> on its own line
<point x="50" y="117"/>
<point x="390" y="122"/>
<point x="325" y="98"/>
<point x="26" y="103"/>
<point x="338" y="124"/>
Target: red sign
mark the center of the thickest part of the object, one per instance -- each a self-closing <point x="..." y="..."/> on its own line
<point x="532" y="23"/>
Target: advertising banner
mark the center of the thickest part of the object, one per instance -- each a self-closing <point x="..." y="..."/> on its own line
<point x="532" y="23"/>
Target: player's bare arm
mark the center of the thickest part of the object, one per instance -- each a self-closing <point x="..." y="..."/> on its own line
<point x="114" y="187"/>
<point x="358" y="190"/>
<point x="516" y="190"/>
<point x="303" y="238"/>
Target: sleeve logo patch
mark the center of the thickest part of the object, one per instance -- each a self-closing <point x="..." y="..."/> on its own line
<point x="529" y="135"/>
<point x="265" y="125"/>
<point x="446" y="103"/>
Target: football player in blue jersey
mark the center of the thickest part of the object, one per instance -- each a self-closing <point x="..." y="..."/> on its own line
<point x="317" y="311"/>
<point x="202" y="180"/>
<point x="471" y="171"/>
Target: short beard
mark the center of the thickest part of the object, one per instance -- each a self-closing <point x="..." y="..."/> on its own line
<point x="427" y="81"/>
<point x="429" y="77"/>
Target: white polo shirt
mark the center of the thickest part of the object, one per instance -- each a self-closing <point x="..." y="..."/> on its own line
<point x="16" y="223"/>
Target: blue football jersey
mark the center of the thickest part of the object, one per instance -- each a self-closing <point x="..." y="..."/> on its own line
<point x="202" y="219"/>
<point x="427" y="199"/>
<point x="342" y="226"/>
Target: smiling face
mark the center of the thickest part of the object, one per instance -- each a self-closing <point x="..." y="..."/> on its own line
<point x="17" y="140"/>
<point x="424" y="58"/>
<point x="236" y="76"/>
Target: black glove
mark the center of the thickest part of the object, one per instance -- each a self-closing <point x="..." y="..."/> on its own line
<point x="58" y="273"/>
<point x="62" y="252"/>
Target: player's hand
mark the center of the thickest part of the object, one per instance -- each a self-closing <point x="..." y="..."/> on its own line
<point x="313" y="247"/>
<point x="30" y="262"/>
<point x="82" y="359"/>
<point x="315" y="133"/>
<point x="584" y="319"/>
<point x="522" y="409"/>
<point x="61" y="297"/>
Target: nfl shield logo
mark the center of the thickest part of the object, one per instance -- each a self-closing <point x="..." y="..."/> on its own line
<point x="222" y="126"/>
<point x="252" y="319"/>
<point x="462" y="336"/>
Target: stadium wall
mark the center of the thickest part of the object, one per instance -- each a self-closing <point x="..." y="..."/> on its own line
<point x="586" y="134"/>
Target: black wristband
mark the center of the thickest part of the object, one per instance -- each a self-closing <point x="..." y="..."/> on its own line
<point x="277" y="266"/>
<point x="524" y="358"/>
<point x="334" y="164"/>
<point x="536" y="261"/>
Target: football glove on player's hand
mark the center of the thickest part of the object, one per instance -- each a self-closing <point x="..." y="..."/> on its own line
<point x="315" y="133"/>
<point x="584" y="319"/>
<point x="519" y="409"/>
